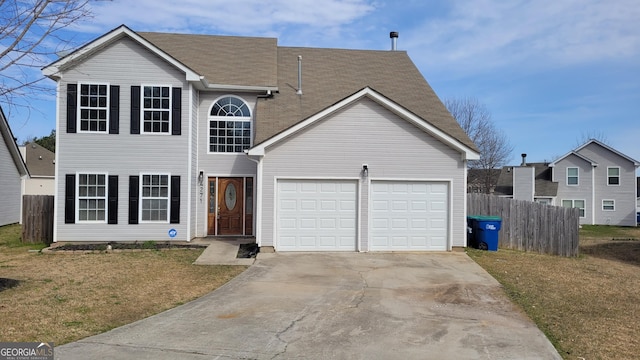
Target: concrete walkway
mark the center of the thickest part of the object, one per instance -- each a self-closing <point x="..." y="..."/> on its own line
<point x="336" y="306"/>
<point x="222" y="252"/>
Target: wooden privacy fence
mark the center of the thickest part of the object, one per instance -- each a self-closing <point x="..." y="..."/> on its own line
<point x="530" y="226"/>
<point x="37" y="219"/>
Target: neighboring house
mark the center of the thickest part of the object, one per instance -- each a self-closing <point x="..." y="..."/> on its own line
<point x="595" y="178"/>
<point x="41" y="164"/>
<point x="173" y="136"/>
<point x="12" y="170"/>
<point x="482" y="181"/>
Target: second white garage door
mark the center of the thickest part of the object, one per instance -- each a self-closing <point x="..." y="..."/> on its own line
<point x="316" y="215"/>
<point x="409" y="216"/>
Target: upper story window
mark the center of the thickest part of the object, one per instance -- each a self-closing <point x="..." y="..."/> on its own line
<point x="156" y="109"/>
<point x="572" y="176"/>
<point x="93" y="100"/>
<point x="229" y="125"/>
<point x="613" y="176"/>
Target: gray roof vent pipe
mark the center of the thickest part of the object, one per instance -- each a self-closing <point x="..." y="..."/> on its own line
<point x="299" y="92"/>
<point x="394" y="40"/>
<point x="524" y="159"/>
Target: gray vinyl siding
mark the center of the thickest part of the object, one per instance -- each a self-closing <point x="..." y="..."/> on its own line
<point x="623" y="194"/>
<point x="211" y="164"/>
<point x="523" y="183"/>
<point x="124" y="63"/>
<point x="582" y="191"/>
<point x="10" y="183"/>
<point x="363" y="133"/>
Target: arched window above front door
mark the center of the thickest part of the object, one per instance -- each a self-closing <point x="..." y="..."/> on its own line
<point x="229" y="125"/>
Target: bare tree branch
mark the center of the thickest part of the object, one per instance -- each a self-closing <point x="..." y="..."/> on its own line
<point x="29" y="40"/>
<point x="475" y="120"/>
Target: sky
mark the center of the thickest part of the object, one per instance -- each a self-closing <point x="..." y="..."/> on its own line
<point x="552" y="73"/>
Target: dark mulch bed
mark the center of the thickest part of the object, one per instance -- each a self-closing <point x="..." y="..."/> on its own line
<point x="248" y="251"/>
<point x="8" y="283"/>
<point x="126" y="246"/>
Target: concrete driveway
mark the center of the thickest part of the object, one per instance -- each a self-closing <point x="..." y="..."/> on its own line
<point x="336" y="306"/>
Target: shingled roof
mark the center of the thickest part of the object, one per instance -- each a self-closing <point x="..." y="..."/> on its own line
<point x="229" y="60"/>
<point x="544" y="186"/>
<point x="330" y="75"/>
<point x="40" y="161"/>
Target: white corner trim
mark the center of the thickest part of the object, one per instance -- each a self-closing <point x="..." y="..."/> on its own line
<point x="467" y="153"/>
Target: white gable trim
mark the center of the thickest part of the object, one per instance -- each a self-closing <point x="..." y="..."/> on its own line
<point x="591" y="162"/>
<point x="53" y="70"/>
<point x="9" y="140"/>
<point x="467" y="153"/>
<point x="594" y="141"/>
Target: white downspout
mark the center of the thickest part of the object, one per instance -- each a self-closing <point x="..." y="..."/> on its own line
<point x="593" y="195"/>
<point x="258" y="208"/>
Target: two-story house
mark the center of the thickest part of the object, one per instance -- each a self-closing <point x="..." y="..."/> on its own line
<point x="175" y="136"/>
<point x="595" y="178"/>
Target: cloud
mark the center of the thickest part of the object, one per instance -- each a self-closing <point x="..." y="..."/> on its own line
<point x="240" y="17"/>
<point x="491" y="34"/>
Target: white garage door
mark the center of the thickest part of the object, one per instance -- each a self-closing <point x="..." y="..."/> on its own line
<point x="316" y="215"/>
<point x="408" y="216"/>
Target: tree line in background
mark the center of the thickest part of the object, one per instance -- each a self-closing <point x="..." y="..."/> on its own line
<point x="48" y="142"/>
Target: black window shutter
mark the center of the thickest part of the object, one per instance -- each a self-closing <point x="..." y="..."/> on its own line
<point x="114" y="109"/>
<point x="113" y="199"/>
<point x="72" y="107"/>
<point x="176" y="111"/>
<point x="133" y="199"/>
<point x="70" y="199"/>
<point x="135" y="109"/>
<point x="174" y="215"/>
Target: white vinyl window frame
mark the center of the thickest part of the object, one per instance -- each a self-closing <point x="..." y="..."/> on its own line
<point x="608" y="205"/>
<point x="89" y="113"/>
<point x="576" y="203"/>
<point x="151" y="202"/>
<point x="613" y="176"/>
<point x="153" y="110"/>
<point x="573" y="173"/>
<point x="237" y="126"/>
<point x="92" y="203"/>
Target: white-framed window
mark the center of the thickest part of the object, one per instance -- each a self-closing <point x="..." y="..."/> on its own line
<point x="92" y="197"/>
<point x="575" y="204"/>
<point x="613" y="176"/>
<point x="93" y="107"/>
<point x="608" y="205"/>
<point x="156" y="109"/>
<point x="229" y="125"/>
<point x="543" y="201"/>
<point x="154" y="198"/>
<point x="572" y="176"/>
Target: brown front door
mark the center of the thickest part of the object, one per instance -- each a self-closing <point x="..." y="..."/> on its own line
<point x="230" y="206"/>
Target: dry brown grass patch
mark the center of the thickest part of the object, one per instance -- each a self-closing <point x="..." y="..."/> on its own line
<point x="588" y="306"/>
<point x="65" y="297"/>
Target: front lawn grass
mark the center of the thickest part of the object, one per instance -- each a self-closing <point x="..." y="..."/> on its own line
<point x="589" y="306"/>
<point x="66" y="297"/>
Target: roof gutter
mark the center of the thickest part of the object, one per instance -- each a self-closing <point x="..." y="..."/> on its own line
<point x="241" y="88"/>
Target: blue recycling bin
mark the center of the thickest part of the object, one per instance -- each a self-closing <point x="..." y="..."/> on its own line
<point x="484" y="231"/>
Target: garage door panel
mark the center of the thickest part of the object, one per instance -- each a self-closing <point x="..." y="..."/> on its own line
<point x="409" y="215"/>
<point x="325" y="215"/>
